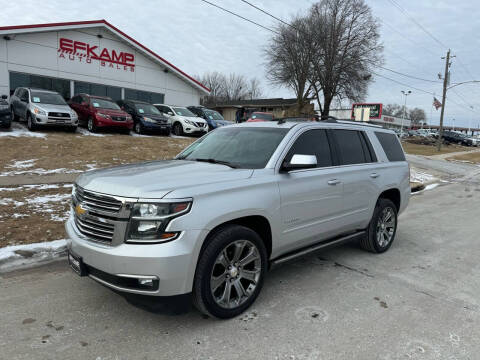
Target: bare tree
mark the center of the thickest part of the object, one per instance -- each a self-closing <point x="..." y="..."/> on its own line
<point x="254" y="90"/>
<point x="347" y="48"/>
<point x="393" y="110"/>
<point x="417" y="116"/>
<point x="215" y="81"/>
<point x="289" y="56"/>
<point x="235" y="87"/>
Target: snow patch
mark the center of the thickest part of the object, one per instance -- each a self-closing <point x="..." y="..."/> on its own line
<point x="35" y="187"/>
<point x="16" y="256"/>
<point x="431" y="186"/>
<point x="41" y="171"/>
<point x="20" y="130"/>
<point x="22" y="164"/>
<point x="420" y="177"/>
<point x="8" y="201"/>
<point x="82" y="131"/>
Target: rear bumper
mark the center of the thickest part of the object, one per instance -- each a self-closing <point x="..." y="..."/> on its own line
<point x="172" y="264"/>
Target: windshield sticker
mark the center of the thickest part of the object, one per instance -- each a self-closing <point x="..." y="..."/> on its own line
<point x="141" y="111"/>
<point x="36" y="99"/>
<point x="95" y="104"/>
<point x="210" y="117"/>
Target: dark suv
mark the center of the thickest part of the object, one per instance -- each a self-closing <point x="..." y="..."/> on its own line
<point x="146" y="117"/>
<point x="5" y="118"/>
<point x="100" y="112"/>
<point x="213" y="118"/>
<point x="457" y="138"/>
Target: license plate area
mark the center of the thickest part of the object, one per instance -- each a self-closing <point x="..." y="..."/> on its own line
<point x="76" y="263"/>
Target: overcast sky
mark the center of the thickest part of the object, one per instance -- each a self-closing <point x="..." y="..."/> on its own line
<point x="198" y="37"/>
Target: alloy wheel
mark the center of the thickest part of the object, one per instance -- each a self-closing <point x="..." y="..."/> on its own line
<point x="235" y="274"/>
<point x="137" y="128"/>
<point x="385" y="227"/>
<point x="90" y="124"/>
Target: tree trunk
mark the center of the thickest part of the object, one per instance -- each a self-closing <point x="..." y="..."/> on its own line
<point x="326" y="107"/>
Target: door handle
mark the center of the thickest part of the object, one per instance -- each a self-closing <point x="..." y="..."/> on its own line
<point x="374" y="175"/>
<point x="333" y="182"/>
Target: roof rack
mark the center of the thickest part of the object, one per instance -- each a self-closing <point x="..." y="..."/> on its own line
<point x="358" y="123"/>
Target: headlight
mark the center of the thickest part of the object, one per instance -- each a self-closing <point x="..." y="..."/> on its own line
<point x="149" y="221"/>
<point x="73" y="113"/>
<point x="38" y="111"/>
<point x="190" y="122"/>
<point x="148" y="119"/>
<point x="103" y="115"/>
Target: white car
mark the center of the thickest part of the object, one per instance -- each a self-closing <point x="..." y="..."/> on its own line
<point x="183" y="120"/>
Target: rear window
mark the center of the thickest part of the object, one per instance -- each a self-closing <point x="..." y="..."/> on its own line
<point x="391" y="146"/>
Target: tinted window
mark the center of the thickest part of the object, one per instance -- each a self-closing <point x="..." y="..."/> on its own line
<point x="150" y="97"/>
<point x="104" y="104"/>
<point x="391" y="146"/>
<point x="113" y="92"/>
<point x="350" y="148"/>
<point x="61" y="86"/>
<point x="312" y="142"/>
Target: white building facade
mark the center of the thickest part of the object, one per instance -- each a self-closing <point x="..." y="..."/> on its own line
<point x="92" y="57"/>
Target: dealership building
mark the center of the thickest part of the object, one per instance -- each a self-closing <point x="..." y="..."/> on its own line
<point x="92" y="57"/>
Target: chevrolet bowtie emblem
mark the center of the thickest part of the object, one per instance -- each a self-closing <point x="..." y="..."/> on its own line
<point x="79" y="210"/>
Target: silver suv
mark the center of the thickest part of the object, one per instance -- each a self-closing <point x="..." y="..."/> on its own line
<point x="239" y="200"/>
<point x="42" y="108"/>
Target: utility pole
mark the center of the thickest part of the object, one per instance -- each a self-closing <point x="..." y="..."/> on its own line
<point x="405" y="93"/>
<point x="445" y="83"/>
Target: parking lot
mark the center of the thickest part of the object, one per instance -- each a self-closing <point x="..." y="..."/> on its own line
<point x="420" y="300"/>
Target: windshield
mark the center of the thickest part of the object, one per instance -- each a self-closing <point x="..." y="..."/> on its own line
<point x="104" y="104"/>
<point x="243" y="147"/>
<point x="213" y="115"/>
<point x="147" y="109"/>
<point x="47" y="98"/>
<point x="183" y="112"/>
<point x="262" y="116"/>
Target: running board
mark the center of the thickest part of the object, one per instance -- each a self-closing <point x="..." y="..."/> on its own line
<point x="312" y="248"/>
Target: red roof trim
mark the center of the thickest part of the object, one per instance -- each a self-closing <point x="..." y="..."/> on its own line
<point x="104" y="22"/>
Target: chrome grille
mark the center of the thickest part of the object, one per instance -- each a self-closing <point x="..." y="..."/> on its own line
<point x="199" y="124"/>
<point x="98" y="202"/>
<point x="119" y="118"/>
<point x="95" y="229"/>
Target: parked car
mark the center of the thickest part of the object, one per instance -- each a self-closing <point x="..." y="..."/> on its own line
<point x="146" y="117"/>
<point x="97" y="112"/>
<point x="213" y="118"/>
<point x="183" y="120"/>
<point x="5" y="116"/>
<point x="42" y="108"/>
<point x="457" y="138"/>
<point x="260" y="116"/>
<point x="234" y="203"/>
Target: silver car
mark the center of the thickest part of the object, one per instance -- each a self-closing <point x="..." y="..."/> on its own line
<point x="241" y="199"/>
<point x="42" y="108"/>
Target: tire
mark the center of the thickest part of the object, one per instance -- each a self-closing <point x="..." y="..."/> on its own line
<point x="30" y="123"/>
<point x="91" y="125"/>
<point x="14" y="117"/>
<point x="138" y="128"/>
<point x="167" y="133"/>
<point x="373" y="241"/>
<point x="178" y="129"/>
<point x="72" y="129"/>
<point x="213" y="264"/>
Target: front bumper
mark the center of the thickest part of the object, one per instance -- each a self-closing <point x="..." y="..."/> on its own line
<point x="54" y="121"/>
<point x="165" y="127"/>
<point x="190" y="129"/>
<point x="172" y="263"/>
<point x="106" y="122"/>
<point x="5" y="119"/>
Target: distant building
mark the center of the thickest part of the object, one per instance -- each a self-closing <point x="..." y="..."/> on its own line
<point x="278" y="106"/>
<point x="375" y="116"/>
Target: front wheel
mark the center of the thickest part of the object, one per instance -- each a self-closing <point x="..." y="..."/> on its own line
<point x="382" y="228"/>
<point x="138" y="128"/>
<point x="91" y="125"/>
<point x="30" y="123"/>
<point x="178" y="129"/>
<point x="230" y="272"/>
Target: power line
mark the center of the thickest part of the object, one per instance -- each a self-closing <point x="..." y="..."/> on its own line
<point x="418" y="24"/>
<point x="409" y="76"/>
<point x="241" y="17"/>
<point x="404" y="84"/>
<point x="267" y="13"/>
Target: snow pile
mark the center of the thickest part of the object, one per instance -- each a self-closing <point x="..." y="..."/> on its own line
<point x="22" y="164"/>
<point x="19" y="130"/>
<point x="22" y="255"/>
<point x="82" y="131"/>
<point x="420" y="177"/>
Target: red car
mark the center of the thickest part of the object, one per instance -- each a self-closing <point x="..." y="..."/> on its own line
<point x="260" y="116"/>
<point x="100" y="112"/>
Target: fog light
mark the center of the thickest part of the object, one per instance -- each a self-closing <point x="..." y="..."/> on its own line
<point x="146" y="282"/>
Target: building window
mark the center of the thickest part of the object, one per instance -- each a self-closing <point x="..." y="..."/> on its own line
<point x="113" y="92"/>
<point x="150" y="97"/>
<point x="61" y="86"/>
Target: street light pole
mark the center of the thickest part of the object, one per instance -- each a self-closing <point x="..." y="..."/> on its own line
<point x="406" y="93"/>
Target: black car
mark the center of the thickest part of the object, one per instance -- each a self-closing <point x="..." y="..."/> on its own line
<point x="214" y="118"/>
<point x="146" y="117"/>
<point x="457" y="138"/>
<point x="5" y="116"/>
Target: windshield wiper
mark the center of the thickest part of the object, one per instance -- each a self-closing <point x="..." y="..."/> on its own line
<point x="215" y="161"/>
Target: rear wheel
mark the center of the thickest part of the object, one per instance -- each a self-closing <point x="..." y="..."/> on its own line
<point x="230" y="272"/>
<point x="178" y="129"/>
<point x="91" y="125"/>
<point x="382" y="228"/>
<point x="139" y="128"/>
<point x="14" y="117"/>
<point x="30" y="122"/>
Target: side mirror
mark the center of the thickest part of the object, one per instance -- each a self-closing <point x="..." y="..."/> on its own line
<point x="170" y="113"/>
<point x="4" y="97"/>
<point x="298" y="162"/>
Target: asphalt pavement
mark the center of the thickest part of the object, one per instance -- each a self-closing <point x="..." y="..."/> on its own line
<point x="420" y="300"/>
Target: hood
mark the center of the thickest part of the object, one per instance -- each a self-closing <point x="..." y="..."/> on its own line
<point x="155" y="116"/>
<point x="155" y="179"/>
<point x="193" y="118"/>
<point x="53" y="108"/>
<point x="111" y="112"/>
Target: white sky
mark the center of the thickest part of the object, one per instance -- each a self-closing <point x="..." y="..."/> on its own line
<point x="198" y="37"/>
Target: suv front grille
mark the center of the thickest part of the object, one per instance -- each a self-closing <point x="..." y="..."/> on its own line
<point x="119" y="118"/>
<point x="199" y="124"/>
<point x="98" y="202"/>
<point x="95" y="229"/>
